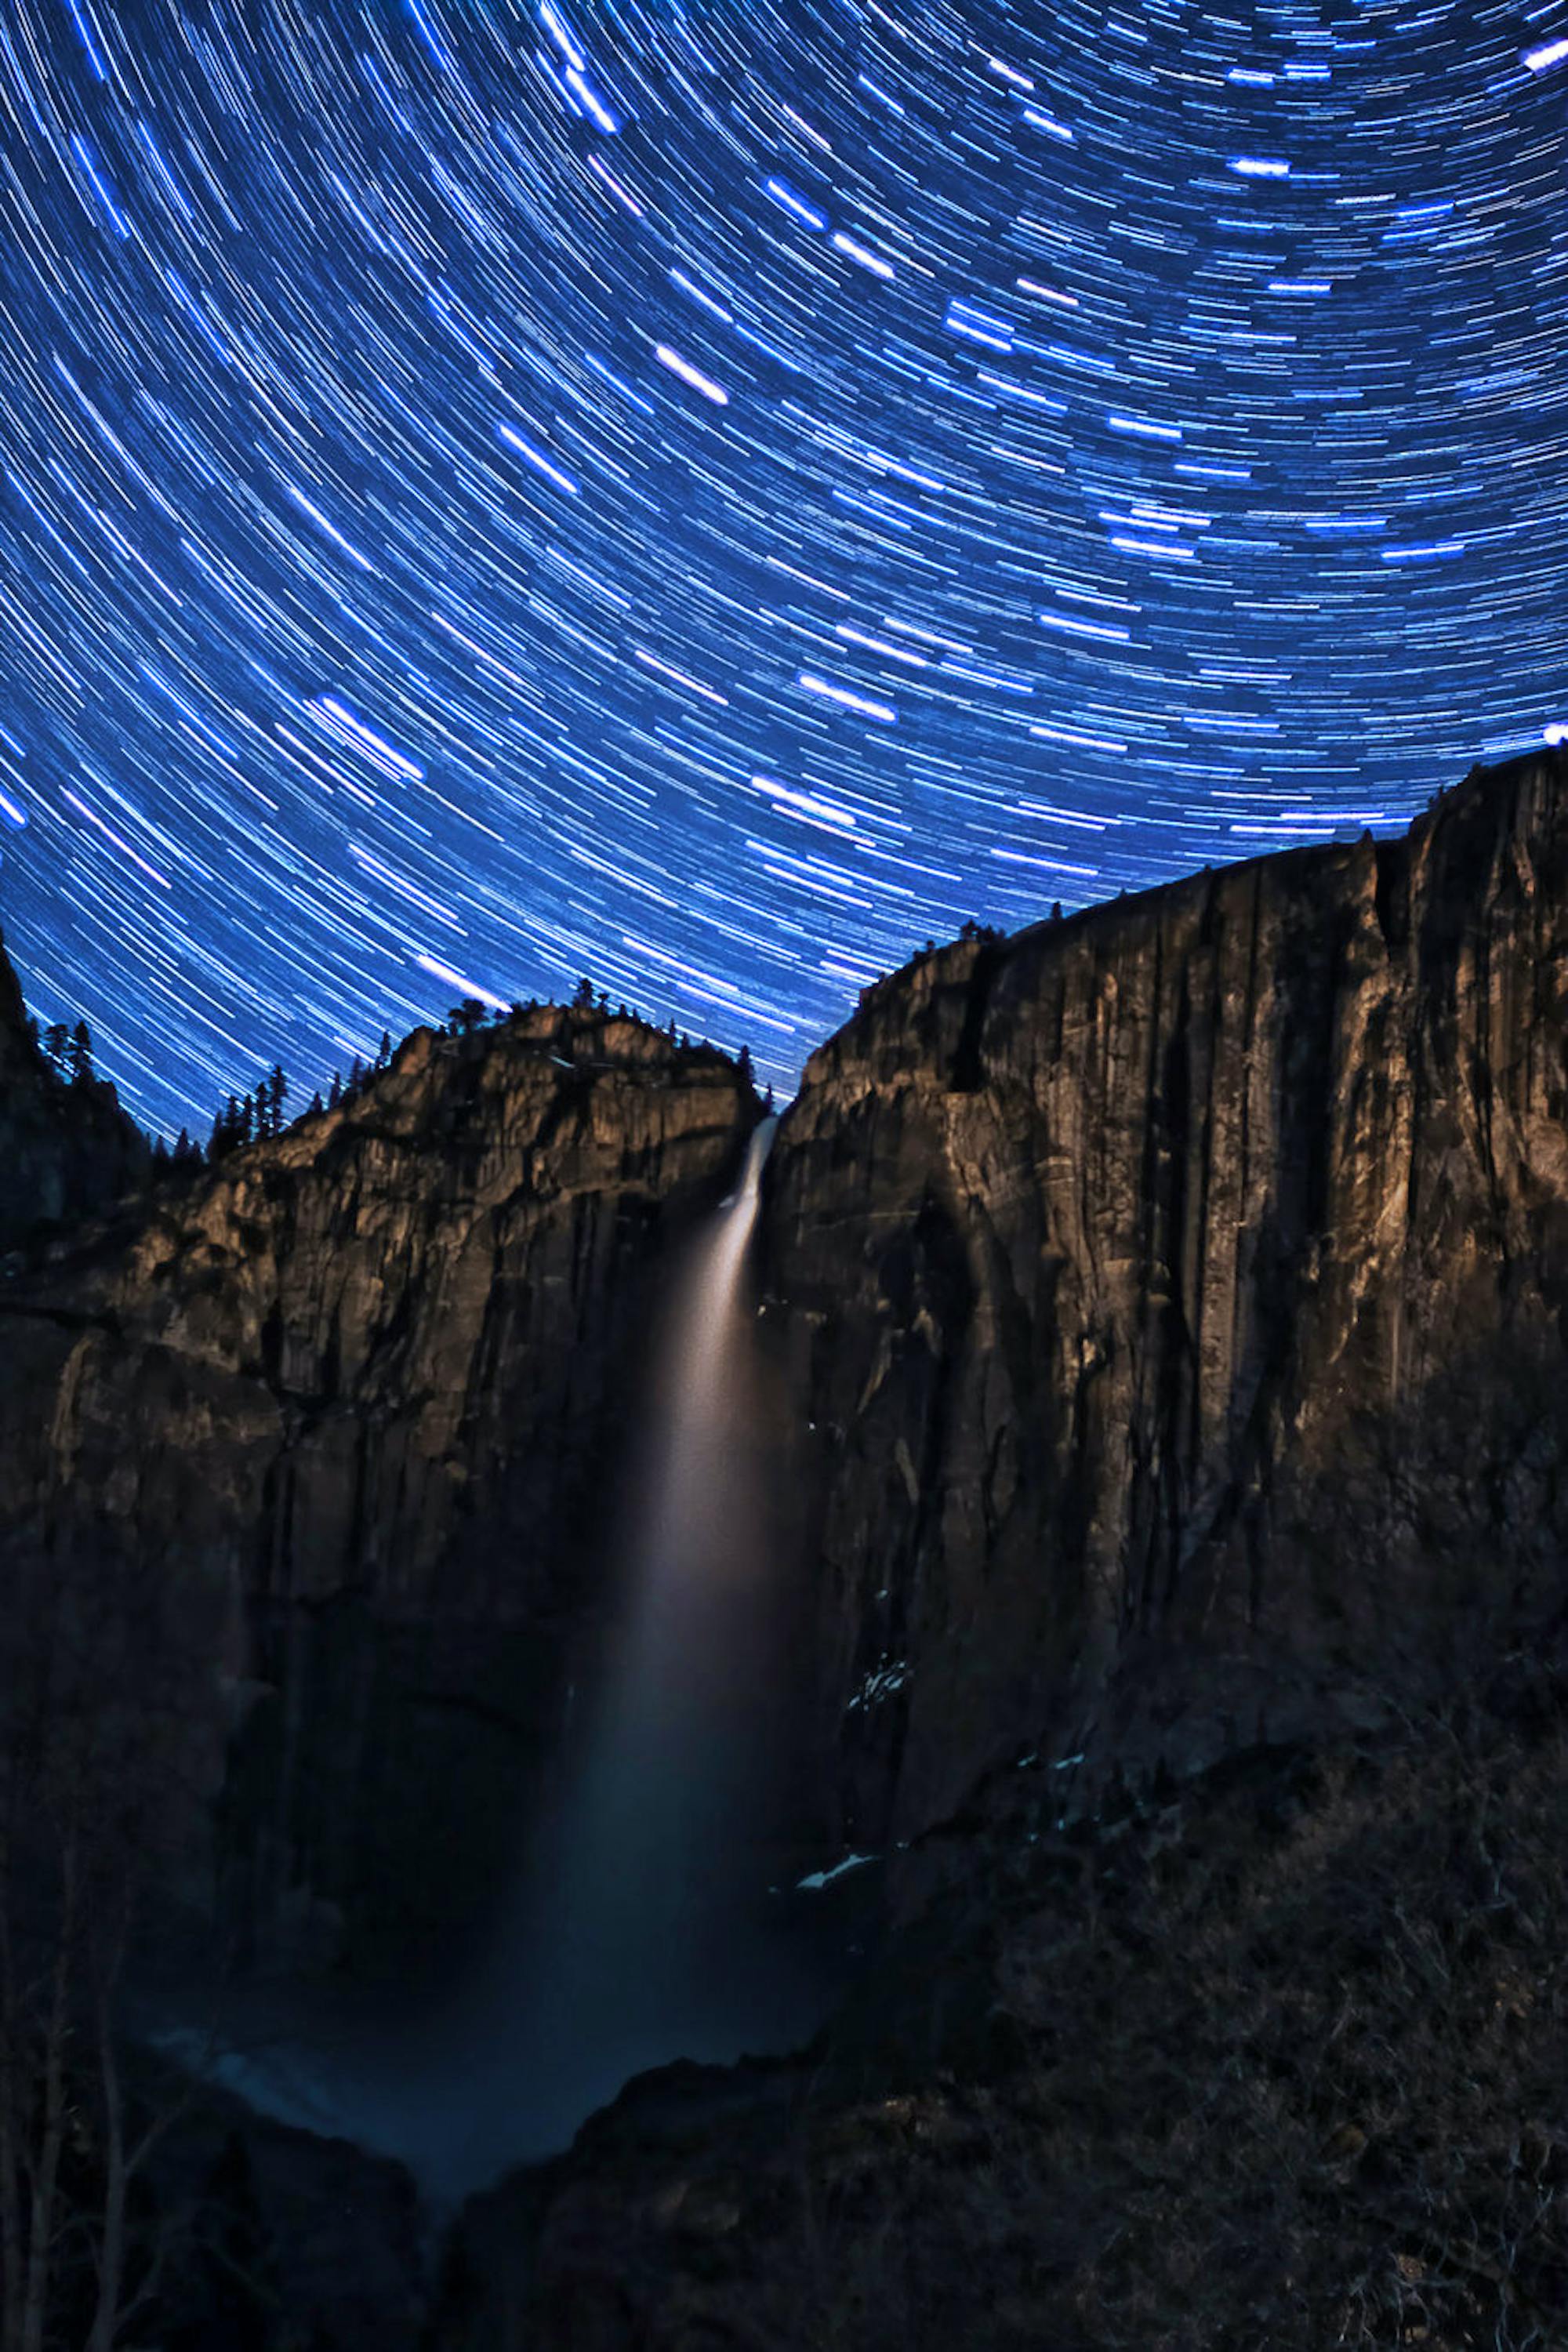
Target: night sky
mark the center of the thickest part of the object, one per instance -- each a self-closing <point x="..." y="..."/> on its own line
<point x="709" y="495"/>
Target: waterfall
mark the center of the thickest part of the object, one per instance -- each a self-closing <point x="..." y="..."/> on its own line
<point x="644" y="1929"/>
<point x="643" y="1933"/>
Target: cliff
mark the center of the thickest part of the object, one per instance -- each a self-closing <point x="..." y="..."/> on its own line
<point x="1167" y="1306"/>
<point x="66" y="1149"/>
<point x="1170" y="1303"/>
<point x="1164" y="1318"/>
<point x="353" y="1396"/>
<point x="1165" y="1321"/>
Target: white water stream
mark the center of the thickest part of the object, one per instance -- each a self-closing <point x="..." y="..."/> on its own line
<point x="642" y="1929"/>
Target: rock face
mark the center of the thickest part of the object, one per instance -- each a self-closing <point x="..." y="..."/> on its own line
<point x="1171" y="1303"/>
<point x="65" y="1151"/>
<point x="1165" y="1313"/>
<point x="355" y="1395"/>
<point x="1166" y="1320"/>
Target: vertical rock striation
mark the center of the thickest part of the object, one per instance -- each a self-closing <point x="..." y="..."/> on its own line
<point x="1171" y="1303"/>
<point x="355" y="1395"/>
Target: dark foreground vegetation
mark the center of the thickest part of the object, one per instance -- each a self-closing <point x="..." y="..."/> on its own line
<point x="1275" y="2060"/>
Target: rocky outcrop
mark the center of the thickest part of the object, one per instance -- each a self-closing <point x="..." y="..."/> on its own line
<point x="66" y="1149"/>
<point x="355" y="1396"/>
<point x="1169" y="1301"/>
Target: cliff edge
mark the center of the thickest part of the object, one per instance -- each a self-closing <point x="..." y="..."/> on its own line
<point x="1171" y="1304"/>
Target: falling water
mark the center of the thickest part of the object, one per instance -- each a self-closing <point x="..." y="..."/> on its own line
<point x="643" y="1929"/>
<point x="637" y="1940"/>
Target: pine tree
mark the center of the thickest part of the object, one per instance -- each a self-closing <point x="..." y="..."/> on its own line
<point x="383" y="1051"/>
<point x="583" y="1001"/>
<point x="79" y="1054"/>
<point x="335" y="1093"/>
<point x="277" y="1092"/>
<point x="229" y="1128"/>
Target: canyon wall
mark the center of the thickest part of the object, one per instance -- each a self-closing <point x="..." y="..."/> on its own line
<point x="1169" y="1305"/>
<point x="1164" y="1313"/>
<point x="340" y="1414"/>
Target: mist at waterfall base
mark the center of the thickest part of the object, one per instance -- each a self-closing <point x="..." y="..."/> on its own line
<point x="643" y="1926"/>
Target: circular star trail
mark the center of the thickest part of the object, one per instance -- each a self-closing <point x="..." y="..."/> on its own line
<point x="711" y="495"/>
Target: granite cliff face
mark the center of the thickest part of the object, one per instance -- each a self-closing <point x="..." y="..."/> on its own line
<point x="1165" y="1311"/>
<point x="66" y="1149"/>
<point x="1164" y="1322"/>
<point x="356" y="1394"/>
<point x="1171" y="1304"/>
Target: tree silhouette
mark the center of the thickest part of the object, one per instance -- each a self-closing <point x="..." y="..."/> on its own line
<point x="230" y="1128"/>
<point x="99" y="1774"/>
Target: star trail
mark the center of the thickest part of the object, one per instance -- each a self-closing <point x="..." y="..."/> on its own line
<point x="709" y="495"/>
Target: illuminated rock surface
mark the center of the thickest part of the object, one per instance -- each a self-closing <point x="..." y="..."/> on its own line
<point x="1172" y="1300"/>
<point x="1163" y="1331"/>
